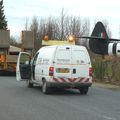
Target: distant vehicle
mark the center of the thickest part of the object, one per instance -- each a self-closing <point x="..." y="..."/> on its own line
<point x="8" y="58"/>
<point x="59" y="66"/>
<point x="9" y="53"/>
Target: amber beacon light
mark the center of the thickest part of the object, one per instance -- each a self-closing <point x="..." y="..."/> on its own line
<point x="71" y="38"/>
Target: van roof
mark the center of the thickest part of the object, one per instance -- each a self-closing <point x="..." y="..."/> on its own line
<point x="54" y="46"/>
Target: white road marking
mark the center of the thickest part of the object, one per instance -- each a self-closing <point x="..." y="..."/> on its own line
<point x="109" y="118"/>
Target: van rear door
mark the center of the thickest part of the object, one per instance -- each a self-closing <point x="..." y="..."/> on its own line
<point x="80" y="63"/>
<point x="23" y="68"/>
<point x="62" y="64"/>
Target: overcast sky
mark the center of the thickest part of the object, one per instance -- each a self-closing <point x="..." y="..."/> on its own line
<point x="17" y="11"/>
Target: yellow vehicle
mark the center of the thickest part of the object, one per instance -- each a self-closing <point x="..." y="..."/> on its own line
<point x="8" y="58"/>
<point x="69" y="41"/>
<point x="9" y="54"/>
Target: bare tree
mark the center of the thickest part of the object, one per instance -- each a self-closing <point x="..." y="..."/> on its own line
<point x="34" y="27"/>
<point x="42" y="28"/>
<point x="34" y="24"/>
<point x="85" y="31"/>
<point x="14" y="42"/>
<point x="58" y="27"/>
<point x="106" y="24"/>
<point x="62" y="25"/>
<point x="26" y="24"/>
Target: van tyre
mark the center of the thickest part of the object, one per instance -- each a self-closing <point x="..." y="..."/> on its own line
<point x="29" y="83"/>
<point x="83" y="91"/>
<point x="45" y="88"/>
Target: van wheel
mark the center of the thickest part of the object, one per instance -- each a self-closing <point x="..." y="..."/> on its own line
<point x="29" y="83"/>
<point x="45" y="89"/>
<point x="83" y="91"/>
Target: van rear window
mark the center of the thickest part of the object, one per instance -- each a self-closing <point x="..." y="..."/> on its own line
<point x="80" y="57"/>
<point x="63" y="56"/>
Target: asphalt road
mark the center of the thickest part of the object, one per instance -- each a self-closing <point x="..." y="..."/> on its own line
<point x="17" y="102"/>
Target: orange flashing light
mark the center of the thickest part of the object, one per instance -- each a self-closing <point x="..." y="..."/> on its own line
<point x="46" y="37"/>
<point x="71" y="38"/>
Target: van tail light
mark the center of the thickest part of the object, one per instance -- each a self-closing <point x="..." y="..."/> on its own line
<point x="90" y="72"/>
<point x="51" y="71"/>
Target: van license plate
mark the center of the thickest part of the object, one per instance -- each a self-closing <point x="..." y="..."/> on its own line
<point x="62" y="70"/>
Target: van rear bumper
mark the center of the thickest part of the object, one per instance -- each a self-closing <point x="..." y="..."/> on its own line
<point x="68" y="85"/>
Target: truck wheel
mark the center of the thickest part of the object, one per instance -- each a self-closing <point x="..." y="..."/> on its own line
<point x="29" y="84"/>
<point x="83" y="91"/>
<point x="45" y="89"/>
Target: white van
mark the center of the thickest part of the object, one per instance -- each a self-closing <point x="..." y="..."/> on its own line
<point x="60" y="66"/>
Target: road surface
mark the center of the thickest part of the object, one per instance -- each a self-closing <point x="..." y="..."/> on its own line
<point x="17" y="102"/>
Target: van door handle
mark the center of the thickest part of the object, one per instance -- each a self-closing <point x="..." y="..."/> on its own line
<point x="74" y="71"/>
